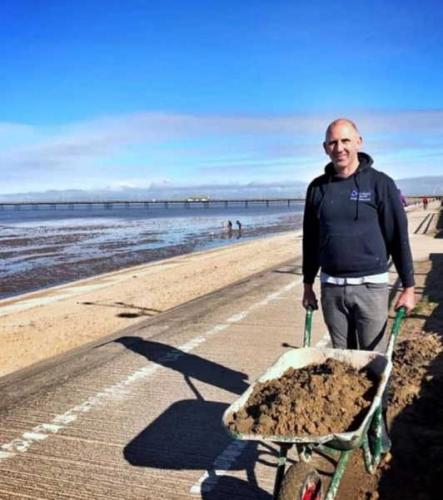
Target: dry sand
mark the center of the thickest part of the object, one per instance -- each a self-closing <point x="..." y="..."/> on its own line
<point x="36" y="326"/>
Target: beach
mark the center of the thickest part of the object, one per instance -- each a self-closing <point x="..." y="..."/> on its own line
<point x="48" y="322"/>
<point x="45" y="323"/>
<point x="49" y="247"/>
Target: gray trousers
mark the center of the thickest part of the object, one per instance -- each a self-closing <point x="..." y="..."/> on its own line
<point x="356" y="315"/>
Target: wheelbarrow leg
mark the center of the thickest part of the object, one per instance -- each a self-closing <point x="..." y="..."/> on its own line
<point x="281" y="463"/>
<point x="338" y="474"/>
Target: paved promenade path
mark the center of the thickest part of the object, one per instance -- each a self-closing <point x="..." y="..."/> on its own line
<point x="138" y="415"/>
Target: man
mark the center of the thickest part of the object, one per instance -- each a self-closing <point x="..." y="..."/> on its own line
<point x="353" y="222"/>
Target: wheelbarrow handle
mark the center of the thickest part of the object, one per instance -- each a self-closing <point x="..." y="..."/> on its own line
<point x="399" y="317"/>
<point x="308" y="327"/>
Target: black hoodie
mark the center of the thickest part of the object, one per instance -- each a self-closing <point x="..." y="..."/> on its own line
<point x="352" y="225"/>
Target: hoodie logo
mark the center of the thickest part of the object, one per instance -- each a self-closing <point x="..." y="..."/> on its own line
<point x="362" y="196"/>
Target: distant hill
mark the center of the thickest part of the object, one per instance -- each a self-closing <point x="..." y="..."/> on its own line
<point x="430" y="185"/>
<point x="167" y="192"/>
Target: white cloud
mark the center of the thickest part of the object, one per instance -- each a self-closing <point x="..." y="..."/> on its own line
<point x="182" y="146"/>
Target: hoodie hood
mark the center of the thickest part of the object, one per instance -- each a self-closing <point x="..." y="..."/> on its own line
<point x="364" y="162"/>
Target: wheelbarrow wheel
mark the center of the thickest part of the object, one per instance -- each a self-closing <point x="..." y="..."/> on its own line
<point x="301" y="482"/>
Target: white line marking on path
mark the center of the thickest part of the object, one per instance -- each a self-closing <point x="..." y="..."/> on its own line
<point x="221" y="464"/>
<point x="120" y="390"/>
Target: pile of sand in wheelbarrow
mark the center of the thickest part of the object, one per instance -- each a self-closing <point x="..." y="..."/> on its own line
<point x="315" y="400"/>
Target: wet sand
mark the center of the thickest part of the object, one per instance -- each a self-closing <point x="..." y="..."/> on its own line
<point x="42" y="324"/>
<point x="35" y="262"/>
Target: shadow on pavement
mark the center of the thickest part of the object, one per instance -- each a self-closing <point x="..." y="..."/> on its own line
<point x="416" y="468"/>
<point x="231" y="487"/>
<point x="189" y="434"/>
<point x="190" y="365"/>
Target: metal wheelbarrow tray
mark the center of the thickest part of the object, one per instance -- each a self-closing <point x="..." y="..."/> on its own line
<point x="378" y="363"/>
<point x="301" y="480"/>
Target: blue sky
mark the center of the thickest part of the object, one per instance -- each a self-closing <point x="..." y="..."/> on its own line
<point x="104" y="94"/>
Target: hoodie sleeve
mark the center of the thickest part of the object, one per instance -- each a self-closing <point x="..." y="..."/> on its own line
<point x="311" y="239"/>
<point x="394" y="225"/>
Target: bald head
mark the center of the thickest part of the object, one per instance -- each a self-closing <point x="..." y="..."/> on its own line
<point x="341" y="121"/>
<point x="342" y="143"/>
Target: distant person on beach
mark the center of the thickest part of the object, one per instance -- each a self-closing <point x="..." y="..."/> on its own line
<point x="353" y="222"/>
<point x="228" y="228"/>
<point x="239" y="228"/>
<point x="424" y="200"/>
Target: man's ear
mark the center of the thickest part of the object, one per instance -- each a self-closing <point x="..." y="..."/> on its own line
<point x="324" y="147"/>
<point x="360" y="141"/>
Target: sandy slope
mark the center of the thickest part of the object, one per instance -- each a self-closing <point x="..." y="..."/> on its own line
<point x="39" y="325"/>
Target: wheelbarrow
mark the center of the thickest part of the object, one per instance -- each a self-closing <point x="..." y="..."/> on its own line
<point x="302" y="481"/>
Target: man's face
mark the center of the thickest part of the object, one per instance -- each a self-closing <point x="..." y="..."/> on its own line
<point x="342" y="144"/>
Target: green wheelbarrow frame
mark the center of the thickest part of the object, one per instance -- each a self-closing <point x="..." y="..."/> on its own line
<point x="338" y="446"/>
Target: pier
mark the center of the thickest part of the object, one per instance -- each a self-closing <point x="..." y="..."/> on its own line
<point x="153" y="204"/>
<point x="147" y="204"/>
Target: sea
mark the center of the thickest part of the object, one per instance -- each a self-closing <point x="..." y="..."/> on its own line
<point x="49" y="246"/>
